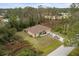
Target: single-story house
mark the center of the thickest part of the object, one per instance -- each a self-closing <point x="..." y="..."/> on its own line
<point x="53" y="17"/>
<point x="1" y="18"/>
<point x="65" y="15"/>
<point x="5" y="20"/>
<point x="38" y="30"/>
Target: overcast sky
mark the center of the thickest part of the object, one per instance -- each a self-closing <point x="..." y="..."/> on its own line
<point x="14" y="5"/>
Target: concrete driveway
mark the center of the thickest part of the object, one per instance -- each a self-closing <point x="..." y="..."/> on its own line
<point x="61" y="51"/>
<point x="55" y="36"/>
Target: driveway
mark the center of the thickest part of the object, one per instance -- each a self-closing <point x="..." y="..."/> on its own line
<point x="61" y="51"/>
<point x="55" y="36"/>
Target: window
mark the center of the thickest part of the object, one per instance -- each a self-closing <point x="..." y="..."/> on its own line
<point x="43" y="32"/>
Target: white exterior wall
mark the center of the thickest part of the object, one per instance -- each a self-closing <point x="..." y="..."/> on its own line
<point x="31" y="34"/>
<point x="36" y="35"/>
<point x="53" y="17"/>
<point x="59" y="17"/>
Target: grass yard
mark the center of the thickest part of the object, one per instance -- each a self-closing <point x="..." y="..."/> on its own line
<point x="45" y="43"/>
<point x="28" y="52"/>
<point x="74" y="52"/>
<point x="3" y="50"/>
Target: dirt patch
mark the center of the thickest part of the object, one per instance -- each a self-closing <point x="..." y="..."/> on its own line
<point x="15" y="46"/>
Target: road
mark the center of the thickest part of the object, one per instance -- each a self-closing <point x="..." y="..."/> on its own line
<point x="61" y="51"/>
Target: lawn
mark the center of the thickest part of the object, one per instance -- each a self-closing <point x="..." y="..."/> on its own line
<point x="74" y="52"/>
<point x="45" y="43"/>
<point x="3" y="50"/>
<point x="28" y="52"/>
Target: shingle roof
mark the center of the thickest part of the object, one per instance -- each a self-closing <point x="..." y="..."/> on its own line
<point x="37" y="29"/>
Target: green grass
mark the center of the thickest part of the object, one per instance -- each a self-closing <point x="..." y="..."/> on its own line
<point x="22" y="52"/>
<point x="27" y="52"/>
<point x="3" y="50"/>
<point x="74" y="52"/>
<point x="45" y="43"/>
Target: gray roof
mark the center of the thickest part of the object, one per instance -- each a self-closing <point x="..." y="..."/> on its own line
<point x="38" y="28"/>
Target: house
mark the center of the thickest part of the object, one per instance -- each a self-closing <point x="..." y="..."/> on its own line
<point x="53" y="17"/>
<point x="5" y="20"/>
<point x="47" y="17"/>
<point x="58" y="16"/>
<point x="65" y="15"/>
<point x="1" y="18"/>
<point x="38" y="30"/>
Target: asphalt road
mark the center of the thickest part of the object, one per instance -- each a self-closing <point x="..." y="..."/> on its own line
<point x="61" y="51"/>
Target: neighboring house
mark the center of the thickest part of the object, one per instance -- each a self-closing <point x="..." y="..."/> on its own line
<point x="37" y="30"/>
<point x="1" y="18"/>
<point x="47" y="17"/>
<point x="58" y="16"/>
<point x="53" y="17"/>
<point x="5" y="20"/>
<point x="65" y="15"/>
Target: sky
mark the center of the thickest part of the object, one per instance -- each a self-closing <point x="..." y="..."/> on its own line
<point x="15" y="5"/>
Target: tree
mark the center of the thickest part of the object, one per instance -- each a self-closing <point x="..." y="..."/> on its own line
<point x="75" y="41"/>
<point x="6" y="34"/>
<point x="73" y="25"/>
